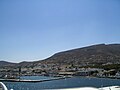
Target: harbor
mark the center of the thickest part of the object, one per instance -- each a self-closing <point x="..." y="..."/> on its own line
<point x="31" y="81"/>
<point x="73" y="82"/>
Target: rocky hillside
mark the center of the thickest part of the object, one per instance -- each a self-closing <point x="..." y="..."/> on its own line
<point x="4" y="63"/>
<point x="21" y="64"/>
<point x="96" y="54"/>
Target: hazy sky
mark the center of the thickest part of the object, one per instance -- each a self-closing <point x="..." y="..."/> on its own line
<point x="36" y="29"/>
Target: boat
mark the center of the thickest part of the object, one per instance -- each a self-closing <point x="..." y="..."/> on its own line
<point x="92" y="88"/>
<point x="110" y="88"/>
<point x="2" y="86"/>
<point x="82" y="88"/>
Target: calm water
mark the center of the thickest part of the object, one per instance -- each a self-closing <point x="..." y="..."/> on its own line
<point x="63" y="83"/>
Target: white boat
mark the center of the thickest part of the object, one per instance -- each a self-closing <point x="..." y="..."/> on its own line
<point x="2" y="86"/>
<point x="92" y="88"/>
<point x="82" y="88"/>
<point x="110" y="88"/>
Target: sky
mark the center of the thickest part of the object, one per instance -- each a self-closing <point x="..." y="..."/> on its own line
<point x="33" y="30"/>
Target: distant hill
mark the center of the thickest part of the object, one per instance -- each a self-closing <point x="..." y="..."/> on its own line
<point x="21" y="64"/>
<point x="25" y="64"/>
<point x="95" y="54"/>
<point x="5" y="63"/>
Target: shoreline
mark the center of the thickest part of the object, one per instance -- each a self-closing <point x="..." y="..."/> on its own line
<point x="58" y="78"/>
<point x="34" y="81"/>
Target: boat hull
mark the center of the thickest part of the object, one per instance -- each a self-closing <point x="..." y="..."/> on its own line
<point x="2" y="86"/>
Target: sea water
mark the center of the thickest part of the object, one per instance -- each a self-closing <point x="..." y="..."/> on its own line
<point x="62" y="83"/>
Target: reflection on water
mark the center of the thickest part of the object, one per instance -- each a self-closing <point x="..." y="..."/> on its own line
<point x="63" y="83"/>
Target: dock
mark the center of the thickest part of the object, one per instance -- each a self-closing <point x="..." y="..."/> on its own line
<point x="32" y="81"/>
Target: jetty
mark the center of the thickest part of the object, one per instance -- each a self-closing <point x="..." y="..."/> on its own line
<point x="32" y="81"/>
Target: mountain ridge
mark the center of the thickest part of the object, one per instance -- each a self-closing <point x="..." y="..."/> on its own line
<point x="6" y="63"/>
<point x="94" y="54"/>
<point x="100" y="53"/>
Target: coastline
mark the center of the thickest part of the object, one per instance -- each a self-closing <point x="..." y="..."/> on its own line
<point x="52" y="79"/>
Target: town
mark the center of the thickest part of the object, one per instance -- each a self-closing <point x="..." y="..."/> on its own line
<point x="57" y="70"/>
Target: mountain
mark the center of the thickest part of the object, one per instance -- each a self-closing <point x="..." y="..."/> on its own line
<point x="21" y="64"/>
<point x="25" y="64"/>
<point x="5" y="63"/>
<point x="95" y="54"/>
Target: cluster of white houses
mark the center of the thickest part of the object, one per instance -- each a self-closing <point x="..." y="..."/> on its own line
<point x="57" y="70"/>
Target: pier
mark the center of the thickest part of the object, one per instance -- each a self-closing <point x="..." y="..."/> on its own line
<point x="32" y="81"/>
